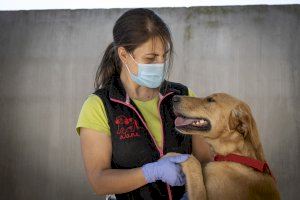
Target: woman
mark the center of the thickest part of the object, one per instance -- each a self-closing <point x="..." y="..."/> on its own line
<point x="127" y="124"/>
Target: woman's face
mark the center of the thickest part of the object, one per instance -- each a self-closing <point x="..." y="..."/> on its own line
<point x="152" y="51"/>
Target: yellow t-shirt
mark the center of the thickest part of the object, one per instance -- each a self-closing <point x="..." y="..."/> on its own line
<point x="93" y="115"/>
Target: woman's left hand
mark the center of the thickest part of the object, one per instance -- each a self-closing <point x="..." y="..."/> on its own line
<point x="202" y="150"/>
<point x="185" y="196"/>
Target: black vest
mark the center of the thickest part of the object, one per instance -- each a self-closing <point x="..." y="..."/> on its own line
<point x="133" y="145"/>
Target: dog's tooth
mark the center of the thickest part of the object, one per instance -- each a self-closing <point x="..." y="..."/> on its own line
<point x="195" y="123"/>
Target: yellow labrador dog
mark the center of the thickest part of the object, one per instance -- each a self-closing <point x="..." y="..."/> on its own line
<point x="239" y="169"/>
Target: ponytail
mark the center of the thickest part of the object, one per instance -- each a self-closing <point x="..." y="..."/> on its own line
<point x="109" y="66"/>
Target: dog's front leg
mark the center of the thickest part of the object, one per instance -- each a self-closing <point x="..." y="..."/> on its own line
<point x="194" y="179"/>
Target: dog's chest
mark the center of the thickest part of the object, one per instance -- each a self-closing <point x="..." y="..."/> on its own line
<point x="232" y="180"/>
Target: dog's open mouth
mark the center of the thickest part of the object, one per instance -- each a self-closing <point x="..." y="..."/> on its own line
<point x="198" y="124"/>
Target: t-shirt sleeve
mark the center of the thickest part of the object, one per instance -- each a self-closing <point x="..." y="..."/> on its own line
<point x="93" y="115"/>
<point x="192" y="93"/>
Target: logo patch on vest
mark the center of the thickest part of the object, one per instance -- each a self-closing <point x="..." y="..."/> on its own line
<point x="127" y="127"/>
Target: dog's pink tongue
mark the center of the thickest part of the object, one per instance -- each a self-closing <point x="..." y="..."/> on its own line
<point x="179" y="121"/>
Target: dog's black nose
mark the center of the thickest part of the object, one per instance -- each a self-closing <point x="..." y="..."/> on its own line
<point x="176" y="99"/>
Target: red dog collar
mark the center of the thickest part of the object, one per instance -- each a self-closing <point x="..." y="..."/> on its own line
<point x="255" y="164"/>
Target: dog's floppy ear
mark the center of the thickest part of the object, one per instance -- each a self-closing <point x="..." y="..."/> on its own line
<point x="242" y="121"/>
<point x="239" y="120"/>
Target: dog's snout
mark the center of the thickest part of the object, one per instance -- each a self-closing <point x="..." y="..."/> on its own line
<point x="176" y="99"/>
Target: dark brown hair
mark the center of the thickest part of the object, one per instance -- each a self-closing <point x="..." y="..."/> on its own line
<point x="132" y="29"/>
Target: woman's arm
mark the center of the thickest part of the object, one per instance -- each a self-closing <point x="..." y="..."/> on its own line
<point x="96" y="151"/>
<point x="201" y="149"/>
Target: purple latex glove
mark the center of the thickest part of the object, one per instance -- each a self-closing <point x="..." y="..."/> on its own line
<point x="185" y="196"/>
<point x="167" y="170"/>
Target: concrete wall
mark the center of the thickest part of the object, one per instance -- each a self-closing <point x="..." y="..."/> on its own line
<point x="48" y="61"/>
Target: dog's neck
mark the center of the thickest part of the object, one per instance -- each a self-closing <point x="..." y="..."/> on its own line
<point x="232" y="142"/>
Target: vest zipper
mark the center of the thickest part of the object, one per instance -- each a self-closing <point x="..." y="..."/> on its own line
<point x="163" y="139"/>
<point x="130" y="106"/>
<point x="163" y="132"/>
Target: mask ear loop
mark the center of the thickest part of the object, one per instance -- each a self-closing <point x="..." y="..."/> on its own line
<point x="133" y="58"/>
<point x="127" y="65"/>
<point x="127" y="68"/>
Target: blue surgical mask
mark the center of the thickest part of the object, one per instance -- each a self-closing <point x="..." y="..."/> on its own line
<point x="149" y="75"/>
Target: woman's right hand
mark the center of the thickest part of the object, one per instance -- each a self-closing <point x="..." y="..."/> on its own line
<point x="166" y="169"/>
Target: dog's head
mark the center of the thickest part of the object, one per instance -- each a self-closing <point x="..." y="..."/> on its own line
<point x="218" y="116"/>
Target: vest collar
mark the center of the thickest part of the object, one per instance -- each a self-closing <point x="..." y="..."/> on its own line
<point x="117" y="90"/>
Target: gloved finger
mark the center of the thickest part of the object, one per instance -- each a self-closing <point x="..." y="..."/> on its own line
<point x="179" y="158"/>
<point x="178" y="170"/>
<point x="181" y="171"/>
<point x="185" y="196"/>
<point x="184" y="179"/>
<point x="180" y="180"/>
<point x="182" y="174"/>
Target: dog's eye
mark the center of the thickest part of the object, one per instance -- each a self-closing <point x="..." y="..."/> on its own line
<point x="210" y="99"/>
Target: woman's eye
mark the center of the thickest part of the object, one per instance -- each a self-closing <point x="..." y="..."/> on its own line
<point x="150" y="58"/>
<point x="154" y="60"/>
